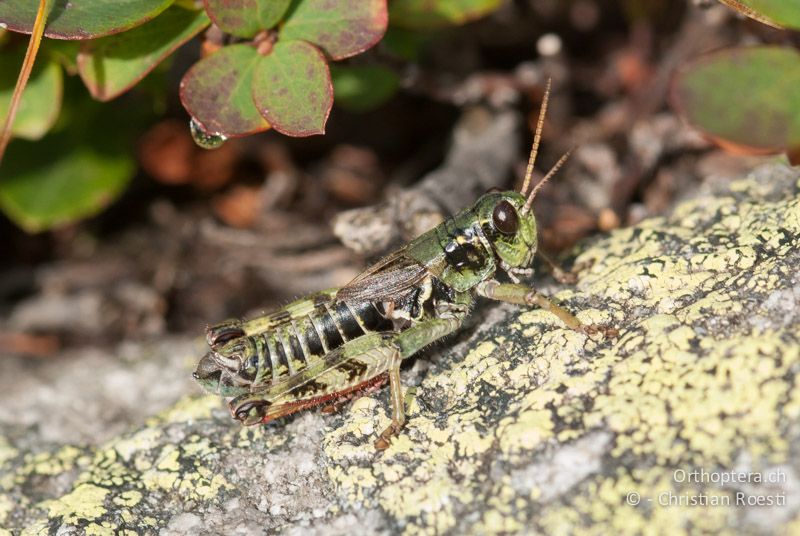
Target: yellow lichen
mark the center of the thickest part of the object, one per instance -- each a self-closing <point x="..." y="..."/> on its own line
<point x="84" y="503"/>
<point x="686" y="384"/>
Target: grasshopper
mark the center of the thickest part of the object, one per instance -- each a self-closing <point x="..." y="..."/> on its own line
<point x="337" y="343"/>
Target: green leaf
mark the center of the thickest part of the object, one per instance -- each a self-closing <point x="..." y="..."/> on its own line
<point x="111" y="65"/>
<point x="65" y="53"/>
<point x="292" y="89"/>
<point x="246" y="18"/>
<point x="81" y="19"/>
<point x="217" y="92"/>
<point x="363" y="88"/>
<point x="404" y="43"/>
<point x="776" y="13"/>
<point x="744" y="96"/>
<point x="341" y="28"/>
<point x="421" y="14"/>
<point x="41" y="100"/>
<point x="72" y="172"/>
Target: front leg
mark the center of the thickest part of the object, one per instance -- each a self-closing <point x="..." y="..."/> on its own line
<point x="522" y="295"/>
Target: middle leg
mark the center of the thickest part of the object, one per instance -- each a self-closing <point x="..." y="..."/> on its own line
<point x="407" y="344"/>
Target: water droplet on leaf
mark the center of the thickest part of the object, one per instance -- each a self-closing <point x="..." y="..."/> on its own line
<point x="203" y="138"/>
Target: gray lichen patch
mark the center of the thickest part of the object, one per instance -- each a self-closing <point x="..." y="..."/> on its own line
<point x="516" y="425"/>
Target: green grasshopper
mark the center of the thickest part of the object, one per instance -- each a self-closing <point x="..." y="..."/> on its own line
<point x="338" y="343"/>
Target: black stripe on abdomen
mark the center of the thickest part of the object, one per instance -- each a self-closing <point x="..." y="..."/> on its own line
<point x="347" y="321"/>
<point x="326" y="328"/>
<point x="312" y="338"/>
<point x="265" y="362"/>
<point x="297" y="349"/>
<point x="280" y="352"/>
<point x="370" y="317"/>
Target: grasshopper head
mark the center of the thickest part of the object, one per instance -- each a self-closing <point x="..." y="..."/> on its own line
<point x="509" y="227"/>
<point x="508" y="222"/>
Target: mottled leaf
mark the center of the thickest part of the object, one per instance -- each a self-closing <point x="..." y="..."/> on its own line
<point x="438" y="13"/>
<point x="217" y="92"/>
<point x="246" y="18"/>
<point x="341" y="28"/>
<point x="778" y="13"/>
<point x="292" y="89"/>
<point x="745" y="97"/>
<point x="81" y="19"/>
<point x="73" y="172"/>
<point x="361" y="88"/>
<point x="41" y="100"/>
<point x="111" y="65"/>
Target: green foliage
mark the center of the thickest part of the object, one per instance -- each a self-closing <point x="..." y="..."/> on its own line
<point x="422" y="14"/>
<point x="274" y="72"/>
<point x="81" y="19"/>
<point x="246" y="18"/>
<point x="746" y="99"/>
<point x="779" y="13"/>
<point x="217" y="91"/>
<point x="111" y="65"/>
<point x="291" y="89"/>
<point x="363" y="88"/>
<point x="73" y="172"/>
<point x="744" y="96"/>
<point x="294" y="69"/>
<point x="41" y="101"/>
<point x="64" y="53"/>
<point x="405" y="43"/>
<point x="341" y="29"/>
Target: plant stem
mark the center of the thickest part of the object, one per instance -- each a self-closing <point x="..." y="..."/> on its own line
<point x="24" y="75"/>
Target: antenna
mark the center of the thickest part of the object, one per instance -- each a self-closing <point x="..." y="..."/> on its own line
<point x="536" y="138"/>
<point x="546" y="178"/>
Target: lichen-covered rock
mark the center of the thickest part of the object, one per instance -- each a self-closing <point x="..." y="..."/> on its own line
<point x="517" y="425"/>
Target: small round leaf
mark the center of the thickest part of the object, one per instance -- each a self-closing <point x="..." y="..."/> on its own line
<point x="747" y="97"/>
<point x="217" y="92"/>
<point x="111" y="65"/>
<point x="292" y="89"/>
<point x="341" y="28"/>
<point x="246" y="18"/>
<point x="81" y="19"/>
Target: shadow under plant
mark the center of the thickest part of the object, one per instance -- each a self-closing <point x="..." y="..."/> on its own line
<point x="518" y="425"/>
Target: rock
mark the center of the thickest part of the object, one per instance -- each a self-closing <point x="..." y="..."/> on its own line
<point x="516" y="425"/>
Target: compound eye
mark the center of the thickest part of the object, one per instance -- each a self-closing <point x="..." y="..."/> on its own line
<point x="505" y="218"/>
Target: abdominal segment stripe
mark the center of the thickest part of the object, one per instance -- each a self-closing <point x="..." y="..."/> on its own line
<point x="287" y="352"/>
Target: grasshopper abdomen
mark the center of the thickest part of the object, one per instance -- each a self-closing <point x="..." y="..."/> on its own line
<point x="292" y="339"/>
